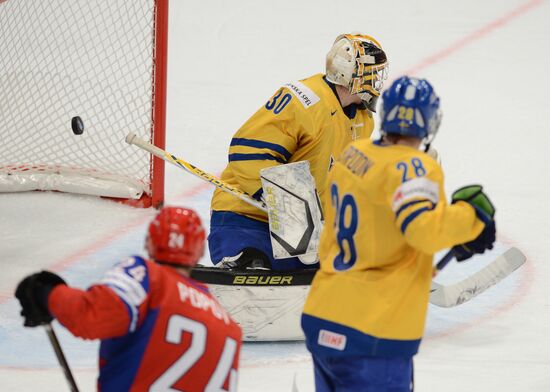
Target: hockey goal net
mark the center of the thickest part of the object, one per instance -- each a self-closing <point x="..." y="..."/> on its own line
<point x="101" y="60"/>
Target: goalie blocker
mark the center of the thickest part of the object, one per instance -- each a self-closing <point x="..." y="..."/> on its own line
<point x="291" y="238"/>
<point x="294" y="210"/>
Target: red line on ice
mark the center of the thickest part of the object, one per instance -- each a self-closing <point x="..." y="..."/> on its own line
<point x="472" y="37"/>
<point x="106" y="240"/>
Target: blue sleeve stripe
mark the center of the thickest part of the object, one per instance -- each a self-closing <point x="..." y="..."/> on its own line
<point x="413" y="216"/>
<point x="261" y="144"/>
<point x="254" y="157"/>
<point x="407" y="205"/>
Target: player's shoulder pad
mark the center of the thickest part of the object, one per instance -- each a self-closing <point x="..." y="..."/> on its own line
<point x="129" y="279"/>
<point x="131" y="263"/>
<point x="433" y="168"/>
<point x="305" y="95"/>
<point x="424" y="163"/>
<point x="420" y="178"/>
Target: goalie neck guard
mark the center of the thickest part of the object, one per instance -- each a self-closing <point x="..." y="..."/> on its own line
<point x="358" y="63"/>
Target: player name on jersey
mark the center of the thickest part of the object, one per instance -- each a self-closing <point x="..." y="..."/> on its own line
<point x="357" y="162"/>
<point x="200" y="300"/>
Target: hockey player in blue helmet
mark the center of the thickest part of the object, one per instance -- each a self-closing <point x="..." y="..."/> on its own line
<point x="386" y="216"/>
<point x="411" y="109"/>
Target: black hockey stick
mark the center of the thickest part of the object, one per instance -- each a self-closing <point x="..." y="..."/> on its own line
<point x="252" y="277"/>
<point x="444" y="261"/>
<point x="61" y="357"/>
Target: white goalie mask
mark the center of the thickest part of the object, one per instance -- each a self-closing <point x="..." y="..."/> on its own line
<point x="358" y="63"/>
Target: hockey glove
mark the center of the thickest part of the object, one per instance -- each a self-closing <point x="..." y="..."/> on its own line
<point x="485" y="211"/>
<point x="33" y="292"/>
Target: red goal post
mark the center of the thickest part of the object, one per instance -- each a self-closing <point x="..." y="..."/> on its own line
<point x="102" y="60"/>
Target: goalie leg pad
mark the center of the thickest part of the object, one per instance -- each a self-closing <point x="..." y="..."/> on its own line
<point x="231" y="233"/>
<point x="266" y="304"/>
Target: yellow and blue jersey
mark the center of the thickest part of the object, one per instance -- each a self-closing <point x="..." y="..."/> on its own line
<point x="301" y="121"/>
<point x="386" y="215"/>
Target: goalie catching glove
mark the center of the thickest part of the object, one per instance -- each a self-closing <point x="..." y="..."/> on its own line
<point x="33" y="292"/>
<point x="485" y="211"/>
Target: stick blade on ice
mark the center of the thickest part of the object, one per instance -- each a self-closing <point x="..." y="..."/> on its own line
<point x="460" y="292"/>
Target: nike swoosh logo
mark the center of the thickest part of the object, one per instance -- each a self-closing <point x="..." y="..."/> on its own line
<point x="432" y="290"/>
<point x="332" y="113"/>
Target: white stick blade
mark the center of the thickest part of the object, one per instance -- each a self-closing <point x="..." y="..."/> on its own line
<point x="460" y="292"/>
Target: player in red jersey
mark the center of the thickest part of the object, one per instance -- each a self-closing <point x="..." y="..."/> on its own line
<point x="160" y="330"/>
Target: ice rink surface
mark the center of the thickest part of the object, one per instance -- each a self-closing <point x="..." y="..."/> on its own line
<point x="487" y="61"/>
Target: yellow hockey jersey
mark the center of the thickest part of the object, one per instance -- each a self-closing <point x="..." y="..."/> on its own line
<point x="302" y="121"/>
<point x="386" y="215"/>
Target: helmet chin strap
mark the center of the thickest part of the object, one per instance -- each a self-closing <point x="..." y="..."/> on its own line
<point x="428" y="142"/>
<point x="369" y="102"/>
<point x="427" y="146"/>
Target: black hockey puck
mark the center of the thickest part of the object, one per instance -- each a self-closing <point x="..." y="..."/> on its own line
<point x="77" y="125"/>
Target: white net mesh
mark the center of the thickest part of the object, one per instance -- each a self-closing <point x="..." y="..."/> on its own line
<point x="87" y="58"/>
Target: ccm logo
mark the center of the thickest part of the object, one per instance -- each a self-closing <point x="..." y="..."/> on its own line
<point x="332" y="340"/>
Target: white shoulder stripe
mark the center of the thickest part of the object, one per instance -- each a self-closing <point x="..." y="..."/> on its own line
<point x="133" y="309"/>
<point x="133" y="289"/>
<point x="305" y="95"/>
<point x="420" y="187"/>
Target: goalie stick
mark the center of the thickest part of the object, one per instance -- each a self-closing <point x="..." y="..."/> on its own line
<point x="131" y="138"/>
<point x="470" y="287"/>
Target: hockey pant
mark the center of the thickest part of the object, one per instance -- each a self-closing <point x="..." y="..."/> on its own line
<point x="231" y="233"/>
<point x="363" y="374"/>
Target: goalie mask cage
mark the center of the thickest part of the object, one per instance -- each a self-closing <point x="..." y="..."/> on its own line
<point x="102" y="60"/>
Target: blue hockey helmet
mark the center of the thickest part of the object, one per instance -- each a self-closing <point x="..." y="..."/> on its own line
<point x="410" y="107"/>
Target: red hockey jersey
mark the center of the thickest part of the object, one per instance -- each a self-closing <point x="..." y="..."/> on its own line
<point x="159" y="330"/>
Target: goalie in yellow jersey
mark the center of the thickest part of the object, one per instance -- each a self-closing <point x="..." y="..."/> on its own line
<point x="386" y="215"/>
<point x="308" y="120"/>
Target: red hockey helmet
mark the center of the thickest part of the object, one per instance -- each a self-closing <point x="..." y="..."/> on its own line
<point x="176" y="236"/>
